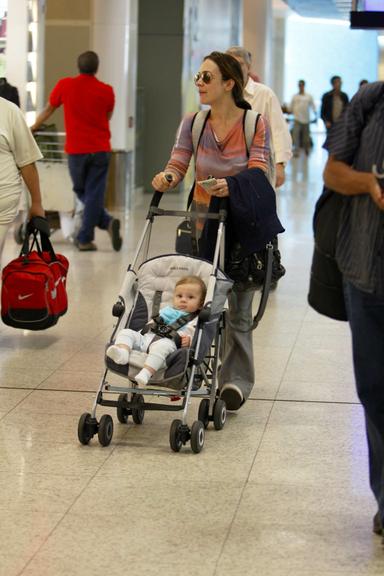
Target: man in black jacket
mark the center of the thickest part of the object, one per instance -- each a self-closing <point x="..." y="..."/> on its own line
<point x="333" y="103"/>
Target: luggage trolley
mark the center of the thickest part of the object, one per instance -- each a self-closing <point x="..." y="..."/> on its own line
<point x="62" y="208"/>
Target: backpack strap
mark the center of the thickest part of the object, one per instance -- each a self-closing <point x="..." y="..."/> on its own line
<point x="198" y="124"/>
<point x="250" y="121"/>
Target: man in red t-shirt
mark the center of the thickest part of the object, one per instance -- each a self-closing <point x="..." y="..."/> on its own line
<point x="88" y="106"/>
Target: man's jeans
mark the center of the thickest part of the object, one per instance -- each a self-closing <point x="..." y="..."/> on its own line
<point x="366" y="318"/>
<point x="89" y="178"/>
<point x="301" y="136"/>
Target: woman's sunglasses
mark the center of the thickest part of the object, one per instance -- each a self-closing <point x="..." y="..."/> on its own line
<point x="205" y="77"/>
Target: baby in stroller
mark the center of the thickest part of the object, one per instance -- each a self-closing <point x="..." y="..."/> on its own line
<point x="173" y="328"/>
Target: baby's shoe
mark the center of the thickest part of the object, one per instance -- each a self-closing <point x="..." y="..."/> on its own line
<point x="118" y="355"/>
<point x="143" y="377"/>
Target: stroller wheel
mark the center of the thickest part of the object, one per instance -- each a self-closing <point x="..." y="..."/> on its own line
<point x="219" y="414"/>
<point x="138" y="413"/>
<point x="203" y="414"/>
<point x="122" y="412"/>
<point x="84" y="429"/>
<point x="105" y="431"/>
<point x="197" y="436"/>
<point x="175" y="440"/>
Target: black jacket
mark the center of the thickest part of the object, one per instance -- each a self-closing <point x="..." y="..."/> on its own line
<point x="252" y="217"/>
<point x="327" y="105"/>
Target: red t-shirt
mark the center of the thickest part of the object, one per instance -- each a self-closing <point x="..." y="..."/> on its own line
<point x="87" y="105"/>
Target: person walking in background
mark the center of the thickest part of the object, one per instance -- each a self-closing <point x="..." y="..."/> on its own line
<point x="333" y="103"/>
<point x="264" y="101"/>
<point x="18" y="154"/>
<point x="88" y="106"/>
<point x="301" y="106"/>
<point x="355" y="169"/>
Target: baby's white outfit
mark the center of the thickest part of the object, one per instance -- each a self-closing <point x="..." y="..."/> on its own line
<point x="157" y="350"/>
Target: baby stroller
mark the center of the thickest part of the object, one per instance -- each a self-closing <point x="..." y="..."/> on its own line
<point x="190" y="372"/>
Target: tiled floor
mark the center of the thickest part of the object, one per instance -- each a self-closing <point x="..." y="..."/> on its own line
<point x="282" y="490"/>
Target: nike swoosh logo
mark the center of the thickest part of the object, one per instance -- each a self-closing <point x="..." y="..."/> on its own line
<point x="24" y="296"/>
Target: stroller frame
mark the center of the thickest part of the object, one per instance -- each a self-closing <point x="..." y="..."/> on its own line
<point x="131" y="398"/>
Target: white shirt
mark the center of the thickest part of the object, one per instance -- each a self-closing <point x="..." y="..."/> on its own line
<point x="17" y="149"/>
<point x="301" y="105"/>
<point x="264" y="101"/>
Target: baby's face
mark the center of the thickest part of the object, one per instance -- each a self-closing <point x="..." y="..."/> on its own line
<point x="187" y="297"/>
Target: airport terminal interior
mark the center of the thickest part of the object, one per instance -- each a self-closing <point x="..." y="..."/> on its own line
<point x="281" y="490"/>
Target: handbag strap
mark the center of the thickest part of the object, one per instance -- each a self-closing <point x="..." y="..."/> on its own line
<point x="266" y="286"/>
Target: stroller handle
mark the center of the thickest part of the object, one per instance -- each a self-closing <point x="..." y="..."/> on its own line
<point x="157" y="196"/>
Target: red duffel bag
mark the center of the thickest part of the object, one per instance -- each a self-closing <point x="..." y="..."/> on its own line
<point x="33" y="291"/>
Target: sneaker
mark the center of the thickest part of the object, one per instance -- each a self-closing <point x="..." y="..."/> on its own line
<point x="114" y="233"/>
<point x="377" y="526"/>
<point x="232" y="396"/>
<point x="87" y="247"/>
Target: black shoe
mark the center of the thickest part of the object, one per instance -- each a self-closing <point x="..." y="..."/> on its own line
<point x="232" y="396"/>
<point x="377" y="526"/>
<point x="87" y="247"/>
<point x="114" y="233"/>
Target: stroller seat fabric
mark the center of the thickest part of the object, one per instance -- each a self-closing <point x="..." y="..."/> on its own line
<point x="156" y="279"/>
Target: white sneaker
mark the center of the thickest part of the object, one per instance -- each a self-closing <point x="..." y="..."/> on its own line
<point x="118" y="355"/>
<point x="232" y="396"/>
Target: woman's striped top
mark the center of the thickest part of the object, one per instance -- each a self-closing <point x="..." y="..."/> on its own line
<point x="218" y="158"/>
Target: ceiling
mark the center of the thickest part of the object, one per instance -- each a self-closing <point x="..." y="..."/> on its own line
<point x="336" y="9"/>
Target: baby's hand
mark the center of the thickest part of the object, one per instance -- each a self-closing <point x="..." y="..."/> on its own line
<point x="185" y="341"/>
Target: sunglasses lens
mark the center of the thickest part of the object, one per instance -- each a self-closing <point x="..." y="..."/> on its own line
<point x="205" y="77"/>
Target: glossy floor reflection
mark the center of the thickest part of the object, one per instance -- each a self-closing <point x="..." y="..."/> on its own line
<point x="282" y="490"/>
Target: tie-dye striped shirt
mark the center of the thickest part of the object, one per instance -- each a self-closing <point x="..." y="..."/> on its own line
<point x="218" y="158"/>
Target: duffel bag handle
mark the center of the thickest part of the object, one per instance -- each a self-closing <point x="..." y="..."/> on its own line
<point x="38" y="226"/>
<point x="38" y="223"/>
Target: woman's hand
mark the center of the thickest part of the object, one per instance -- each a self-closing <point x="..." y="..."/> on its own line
<point x="220" y="189"/>
<point x="185" y="341"/>
<point x="163" y="181"/>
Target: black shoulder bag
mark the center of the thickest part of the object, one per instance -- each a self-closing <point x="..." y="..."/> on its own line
<point x="326" y="283"/>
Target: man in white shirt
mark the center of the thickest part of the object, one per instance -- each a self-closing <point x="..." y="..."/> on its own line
<point x="18" y="154"/>
<point x="264" y="100"/>
<point x="301" y="106"/>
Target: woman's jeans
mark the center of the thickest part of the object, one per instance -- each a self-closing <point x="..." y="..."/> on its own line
<point x="237" y="357"/>
<point x="366" y="318"/>
<point x="89" y="177"/>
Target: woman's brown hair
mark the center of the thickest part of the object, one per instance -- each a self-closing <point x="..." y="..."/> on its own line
<point x="231" y="70"/>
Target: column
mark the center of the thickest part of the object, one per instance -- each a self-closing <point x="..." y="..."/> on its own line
<point x="115" y="41"/>
<point x="257" y="36"/>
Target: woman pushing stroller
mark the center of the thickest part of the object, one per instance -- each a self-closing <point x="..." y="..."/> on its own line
<point x="240" y="175"/>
